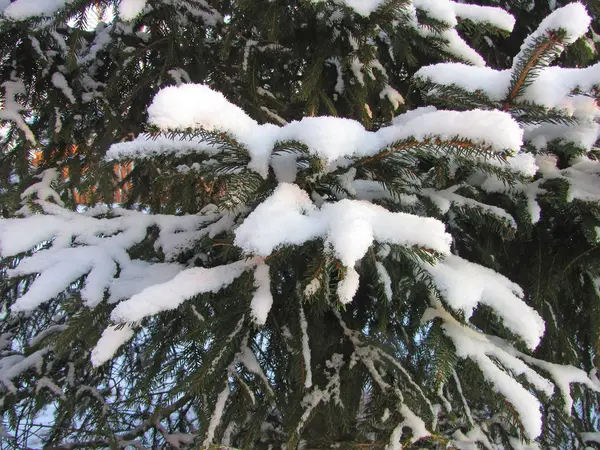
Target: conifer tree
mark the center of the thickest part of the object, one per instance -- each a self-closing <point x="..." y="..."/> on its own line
<point x="348" y="224"/>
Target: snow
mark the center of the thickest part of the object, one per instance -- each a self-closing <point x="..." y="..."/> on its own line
<point x="562" y="375"/>
<point x="493" y="129"/>
<point x="43" y="189"/>
<point x="591" y="436"/>
<point x="312" y="288"/>
<point x="443" y="199"/>
<point x="305" y="349"/>
<point x="349" y="227"/>
<point x="415" y="423"/>
<point x="61" y="268"/>
<point x="582" y="176"/>
<point x="551" y="88"/>
<point x="339" y="84"/>
<point x="573" y="18"/>
<point x="45" y="382"/>
<point x="464" y="284"/>
<point x="24" y="9"/>
<point x="362" y="7"/>
<point x="583" y="134"/>
<point x="59" y="81"/>
<point x="112" y="338"/>
<point x="477" y="347"/>
<point x="11" y="109"/>
<point x="494" y="83"/>
<point x="14" y="365"/>
<point x="194" y="105"/>
<point x="262" y="300"/>
<point x="393" y="96"/>
<point x="332" y="139"/>
<point x="248" y="359"/>
<point x="442" y="11"/>
<point x="412" y="421"/>
<point x="385" y="280"/>
<point x="138" y="275"/>
<point x="130" y="9"/>
<point x="484" y="14"/>
<point x="185" y="285"/>
<point x="327" y="137"/>
<point x="447" y="11"/>
<point x="288" y="222"/>
<point x="99" y="245"/>
<point x="217" y="415"/>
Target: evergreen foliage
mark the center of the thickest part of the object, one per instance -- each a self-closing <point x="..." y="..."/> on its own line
<point x="420" y="269"/>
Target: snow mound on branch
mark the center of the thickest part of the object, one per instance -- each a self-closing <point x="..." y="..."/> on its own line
<point x="330" y="138"/>
<point x="573" y="18"/>
<point x="349" y="228"/>
<point x="146" y="146"/>
<point x="552" y="87"/>
<point x="24" y="9"/>
<point x="494" y="83"/>
<point x="262" y="299"/>
<point x="484" y="14"/>
<point x="130" y="9"/>
<point x="112" y="338"/>
<point x="464" y="285"/>
<point x="93" y="247"/>
<point x="488" y="356"/>
<point x="288" y="217"/>
<point x="362" y="7"/>
<point x="193" y="105"/>
<point x="185" y="285"/>
<point x="443" y="10"/>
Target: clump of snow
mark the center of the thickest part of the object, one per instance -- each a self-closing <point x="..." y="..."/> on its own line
<point x="385" y="280"/>
<point x="185" y="285"/>
<point x="43" y="189"/>
<point x="494" y="129"/>
<point x="288" y="217"/>
<point x="305" y="349"/>
<point x="194" y="105"/>
<point x="312" y="288"/>
<point x="552" y="87"/>
<point x="348" y="285"/>
<point x="482" y="351"/>
<point x="562" y="375"/>
<point x="25" y="9"/>
<point x="146" y="147"/>
<point x="464" y="284"/>
<point x="14" y="365"/>
<point x="217" y="415"/>
<point x="83" y="245"/>
<point x="59" y="80"/>
<point x="138" y="275"/>
<point x="494" y="83"/>
<point x="362" y="7"/>
<point x="393" y="96"/>
<point x="262" y="300"/>
<point x="332" y="139"/>
<point x="573" y="18"/>
<point x="130" y="9"/>
<point x="112" y="338"/>
<point x="412" y="421"/>
<point x="443" y="199"/>
<point x="12" y="110"/>
<point x="484" y="14"/>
